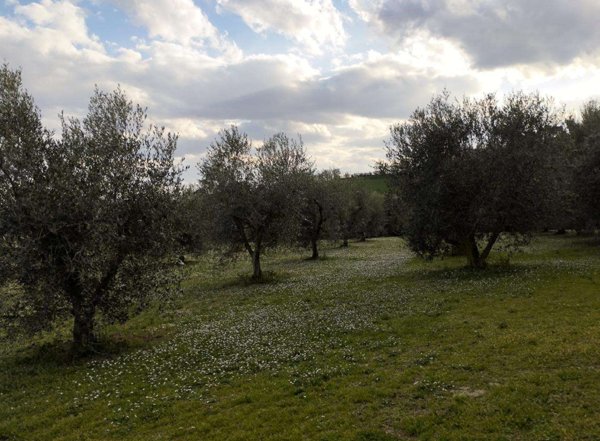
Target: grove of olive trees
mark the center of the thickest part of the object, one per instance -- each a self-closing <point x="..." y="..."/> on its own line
<point x="92" y="219"/>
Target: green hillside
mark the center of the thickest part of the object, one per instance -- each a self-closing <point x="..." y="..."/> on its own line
<point x="377" y="183"/>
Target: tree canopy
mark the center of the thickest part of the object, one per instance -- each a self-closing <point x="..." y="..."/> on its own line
<point x="85" y="220"/>
<point x="254" y="194"/>
<point x="468" y="171"/>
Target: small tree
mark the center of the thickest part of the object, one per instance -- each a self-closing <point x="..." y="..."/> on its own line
<point x="318" y="213"/>
<point x="85" y="221"/>
<point x="360" y="212"/>
<point x="369" y="217"/>
<point x="253" y="196"/>
<point x="190" y="221"/>
<point x="466" y="172"/>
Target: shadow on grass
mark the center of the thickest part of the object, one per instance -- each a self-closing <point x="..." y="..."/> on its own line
<point x="373" y="436"/>
<point x="592" y="241"/>
<point x="321" y="258"/>
<point x="58" y="352"/>
<point x="268" y="278"/>
<point x="432" y="271"/>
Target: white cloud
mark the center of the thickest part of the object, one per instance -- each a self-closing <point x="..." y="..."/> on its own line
<point x="61" y="59"/>
<point x="195" y="94"/>
<point x="343" y="113"/>
<point x="315" y="24"/>
<point x="366" y="9"/>
<point x="494" y="32"/>
<point x="61" y="23"/>
<point x="426" y="53"/>
<point x="177" y="21"/>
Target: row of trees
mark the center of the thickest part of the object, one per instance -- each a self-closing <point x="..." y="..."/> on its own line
<point x="90" y="220"/>
<point x="257" y="198"/>
<point x="463" y="173"/>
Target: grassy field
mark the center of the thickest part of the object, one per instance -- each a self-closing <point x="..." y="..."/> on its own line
<point x="368" y="343"/>
<point x="376" y="183"/>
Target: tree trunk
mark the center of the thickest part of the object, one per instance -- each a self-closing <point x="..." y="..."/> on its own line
<point x="254" y="254"/>
<point x="83" y="328"/>
<point x="83" y="310"/>
<point x="315" y="249"/>
<point x="474" y="259"/>
<point x="488" y="248"/>
<point x="316" y="233"/>
<point x="257" y="273"/>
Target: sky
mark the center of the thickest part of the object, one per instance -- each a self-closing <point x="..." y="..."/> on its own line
<point x="336" y="72"/>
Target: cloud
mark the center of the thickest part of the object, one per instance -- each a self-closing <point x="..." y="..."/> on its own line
<point x="314" y="24"/>
<point x="61" y="59"/>
<point x="340" y="114"/>
<point x="60" y="23"/>
<point x="178" y="21"/>
<point x="494" y="32"/>
<point x="343" y="112"/>
<point x="381" y="87"/>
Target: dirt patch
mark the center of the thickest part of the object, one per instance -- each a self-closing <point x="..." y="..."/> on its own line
<point x="468" y="392"/>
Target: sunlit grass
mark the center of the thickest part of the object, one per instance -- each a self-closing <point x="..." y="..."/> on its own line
<point x="368" y="343"/>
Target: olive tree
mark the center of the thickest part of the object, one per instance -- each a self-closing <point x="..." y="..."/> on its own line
<point x="318" y="215"/>
<point x="585" y="134"/>
<point x="85" y="220"/>
<point x="369" y="216"/>
<point x="337" y="207"/>
<point x="253" y="195"/>
<point x="467" y="172"/>
<point x="190" y="221"/>
<point x="588" y="182"/>
<point x="360" y="212"/>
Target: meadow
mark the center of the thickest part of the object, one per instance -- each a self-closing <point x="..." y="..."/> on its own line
<point x="368" y="343"/>
<point x="376" y="183"/>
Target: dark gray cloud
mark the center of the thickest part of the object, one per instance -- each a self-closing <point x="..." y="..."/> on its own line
<point x="502" y="32"/>
<point x="361" y="91"/>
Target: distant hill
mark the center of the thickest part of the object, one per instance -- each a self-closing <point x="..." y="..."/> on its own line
<point x="373" y="182"/>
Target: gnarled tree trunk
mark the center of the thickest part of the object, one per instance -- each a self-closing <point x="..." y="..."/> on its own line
<point x="257" y="272"/>
<point x="254" y="253"/>
<point x="471" y="250"/>
<point x="475" y="258"/>
<point x="315" y="249"/>
<point x="83" y="310"/>
<point x="83" y="328"/>
<point x="316" y="233"/>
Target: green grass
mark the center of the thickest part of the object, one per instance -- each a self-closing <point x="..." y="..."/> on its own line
<point x="376" y="183"/>
<point x="366" y="344"/>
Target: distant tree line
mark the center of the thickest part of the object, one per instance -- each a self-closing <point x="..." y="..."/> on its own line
<point x="92" y="219"/>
